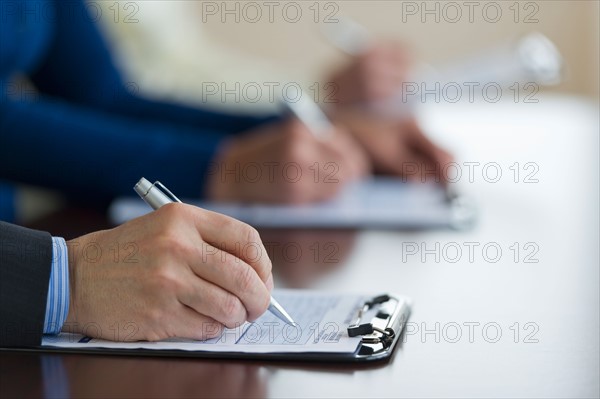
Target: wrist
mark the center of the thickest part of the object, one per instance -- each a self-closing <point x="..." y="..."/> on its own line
<point x="71" y="321"/>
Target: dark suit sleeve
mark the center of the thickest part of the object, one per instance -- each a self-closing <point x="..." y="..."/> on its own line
<point x="25" y="263"/>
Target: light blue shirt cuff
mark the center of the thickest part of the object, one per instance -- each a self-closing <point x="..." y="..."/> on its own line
<point x="57" y="305"/>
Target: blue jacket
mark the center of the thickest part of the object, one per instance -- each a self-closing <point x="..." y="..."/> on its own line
<point x="83" y="131"/>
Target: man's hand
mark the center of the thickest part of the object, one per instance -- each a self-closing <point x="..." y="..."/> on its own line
<point x="373" y="76"/>
<point x="285" y="163"/>
<point x="397" y="147"/>
<point x="179" y="271"/>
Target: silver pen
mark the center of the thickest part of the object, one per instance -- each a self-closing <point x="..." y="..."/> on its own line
<point x="156" y="195"/>
<point x="309" y="113"/>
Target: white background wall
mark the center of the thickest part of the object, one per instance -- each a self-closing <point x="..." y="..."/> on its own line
<point x="572" y="25"/>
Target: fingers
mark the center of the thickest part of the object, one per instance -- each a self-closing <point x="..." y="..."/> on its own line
<point x="354" y="160"/>
<point x="187" y="323"/>
<point x="227" y="264"/>
<point x="214" y="302"/>
<point x="374" y="75"/>
<point x="270" y="285"/>
<point x="433" y="157"/>
<point x="237" y="238"/>
<point x="339" y="157"/>
<point x="383" y="69"/>
<point x="226" y="288"/>
<point x="350" y="164"/>
<point x="290" y="165"/>
<point x="326" y="164"/>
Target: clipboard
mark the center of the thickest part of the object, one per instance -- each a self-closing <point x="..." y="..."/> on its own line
<point x="381" y="334"/>
<point x="379" y="202"/>
<point x="380" y="322"/>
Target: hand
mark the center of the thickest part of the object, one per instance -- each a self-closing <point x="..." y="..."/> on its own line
<point x="397" y="147"/>
<point x="285" y="163"/>
<point x="179" y="271"/>
<point x="375" y="75"/>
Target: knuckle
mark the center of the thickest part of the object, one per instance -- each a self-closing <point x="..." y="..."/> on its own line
<point x="264" y="266"/>
<point x="165" y="279"/>
<point x="172" y="211"/>
<point x="267" y="266"/>
<point x="174" y="245"/>
<point x="154" y="318"/>
<point x="233" y="311"/>
<point x="153" y="336"/>
<point x="265" y="303"/>
<point x="262" y="304"/>
<point x="230" y="264"/>
<point x="246" y="279"/>
<point x="251" y="234"/>
<point x="170" y="243"/>
<point x="228" y="223"/>
<point x="206" y="250"/>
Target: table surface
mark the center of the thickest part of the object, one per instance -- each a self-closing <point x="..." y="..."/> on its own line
<point x="508" y="308"/>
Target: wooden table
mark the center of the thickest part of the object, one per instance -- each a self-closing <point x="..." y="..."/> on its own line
<point x="517" y="323"/>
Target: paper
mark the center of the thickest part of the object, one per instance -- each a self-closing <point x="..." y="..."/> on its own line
<point x="378" y="202"/>
<point x="322" y="327"/>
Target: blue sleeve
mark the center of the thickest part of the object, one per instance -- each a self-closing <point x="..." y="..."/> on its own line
<point x="57" y="305"/>
<point x="7" y="201"/>
<point x="86" y="135"/>
<point x="91" y="154"/>
<point x="78" y="67"/>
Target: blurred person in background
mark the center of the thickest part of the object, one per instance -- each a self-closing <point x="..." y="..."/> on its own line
<point x="68" y="121"/>
<point x="166" y="47"/>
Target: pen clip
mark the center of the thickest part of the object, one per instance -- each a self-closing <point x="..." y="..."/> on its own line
<point x="166" y="191"/>
<point x="371" y="333"/>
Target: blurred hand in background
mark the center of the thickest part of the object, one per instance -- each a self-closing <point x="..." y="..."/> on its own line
<point x="396" y="147"/>
<point x="374" y="75"/>
<point x="286" y="163"/>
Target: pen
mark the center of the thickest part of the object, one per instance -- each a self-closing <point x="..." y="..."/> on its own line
<point x="311" y="115"/>
<point x="156" y="195"/>
<point x="348" y="36"/>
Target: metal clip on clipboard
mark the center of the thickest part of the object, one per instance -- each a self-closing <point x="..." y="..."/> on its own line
<point x="380" y="334"/>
